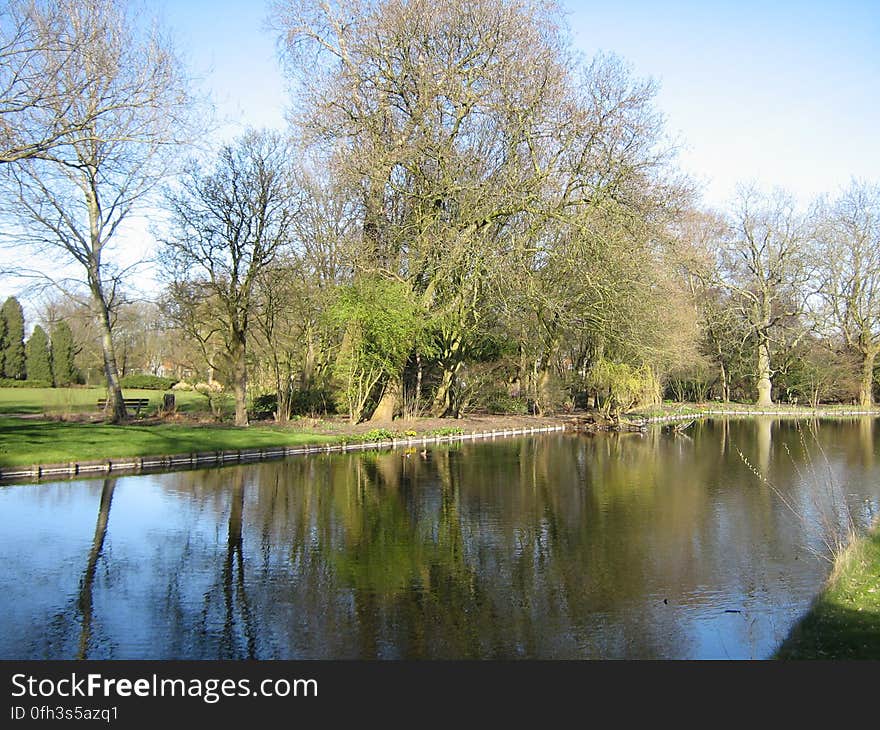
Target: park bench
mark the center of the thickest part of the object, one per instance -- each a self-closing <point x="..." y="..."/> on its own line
<point x="131" y="404"/>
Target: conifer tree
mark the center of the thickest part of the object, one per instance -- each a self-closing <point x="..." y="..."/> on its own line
<point x="2" y="341"/>
<point x="13" y="346"/>
<point x="63" y="368"/>
<point x="39" y="360"/>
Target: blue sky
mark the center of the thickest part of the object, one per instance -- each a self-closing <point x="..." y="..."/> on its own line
<point x="780" y="93"/>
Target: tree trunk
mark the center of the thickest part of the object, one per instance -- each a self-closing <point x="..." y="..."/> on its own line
<point x="866" y="383"/>
<point x="764" y="384"/>
<point x="443" y="405"/>
<point x="238" y="353"/>
<point x="725" y="387"/>
<point x="282" y="397"/>
<point x="115" y="408"/>
<point x="443" y="399"/>
<point x="86" y="583"/>
<point x="307" y="375"/>
<point x="543" y="394"/>
<point x="544" y="378"/>
<point x="417" y="398"/>
<point x="384" y="412"/>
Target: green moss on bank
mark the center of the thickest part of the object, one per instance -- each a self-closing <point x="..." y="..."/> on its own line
<point x="844" y="621"/>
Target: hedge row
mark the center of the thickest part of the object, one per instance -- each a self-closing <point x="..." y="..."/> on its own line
<point x="12" y="383"/>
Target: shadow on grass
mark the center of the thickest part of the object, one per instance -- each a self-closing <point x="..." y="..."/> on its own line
<point x="19" y="435"/>
<point x="30" y="409"/>
<point x="831" y="631"/>
<point x="844" y="621"/>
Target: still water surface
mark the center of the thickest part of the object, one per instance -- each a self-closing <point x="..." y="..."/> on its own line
<point x="555" y="546"/>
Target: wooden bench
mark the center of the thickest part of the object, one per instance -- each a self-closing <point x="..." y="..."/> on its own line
<point x="135" y="404"/>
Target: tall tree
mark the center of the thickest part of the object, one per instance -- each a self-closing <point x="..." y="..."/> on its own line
<point x="39" y="359"/>
<point x="63" y="367"/>
<point x="763" y="263"/>
<point x="468" y="129"/>
<point x="13" y="350"/>
<point x="848" y="237"/>
<point x="123" y="78"/>
<point x="229" y="224"/>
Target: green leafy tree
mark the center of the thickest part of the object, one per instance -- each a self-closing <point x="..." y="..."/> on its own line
<point x="13" y="345"/>
<point x="382" y="324"/>
<point x="481" y="149"/>
<point x="39" y="360"/>
<point x="63" y="368"/>
<point x="622" y="386"/>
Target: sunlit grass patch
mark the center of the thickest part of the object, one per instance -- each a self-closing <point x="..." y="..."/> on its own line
<point x="24" y="442"/>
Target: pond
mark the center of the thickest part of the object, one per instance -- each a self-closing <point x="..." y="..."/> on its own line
<point x="705" y="544"/>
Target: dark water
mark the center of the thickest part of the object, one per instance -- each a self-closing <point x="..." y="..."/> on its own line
<point x="559" y="546"/>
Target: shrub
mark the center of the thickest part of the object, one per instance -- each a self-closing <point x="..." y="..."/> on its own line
<point x="11" y="383"/>
<point x="182" y="385"/>
<point x="310" y="401"/>
<point x="501" y="403"/>
<point x="307" y="402"/>
<point x="213" y="391"/>
<point x="265" y="405"/>
<point x="147" y="382"/>
<point x="447" y="431"/>
<point x="622" y="385"/>
<point x="382" y="322"/>
<point x="379" y="434"/>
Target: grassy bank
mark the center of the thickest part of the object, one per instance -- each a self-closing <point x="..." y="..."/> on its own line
<point x="28" y="440"/>
<point x="844" y="621"/>
<point x="24" y="442"/>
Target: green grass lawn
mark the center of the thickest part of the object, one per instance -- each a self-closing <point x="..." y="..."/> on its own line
<point x="61" y="401"/>
<point x="844" y="622"/>
<point x="30" y="441"/>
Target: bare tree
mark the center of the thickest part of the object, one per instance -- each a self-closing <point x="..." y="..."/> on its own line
<point x="292" y="346"/>
<point x="848" y="237"/>
<point x="123" y="102"/>
<point x="763" y="263"/>
<point x="229" y="225"/>
<point x="36" y="43"/>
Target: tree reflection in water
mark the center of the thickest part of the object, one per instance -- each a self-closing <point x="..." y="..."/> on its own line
<point x="85" y="602"/>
